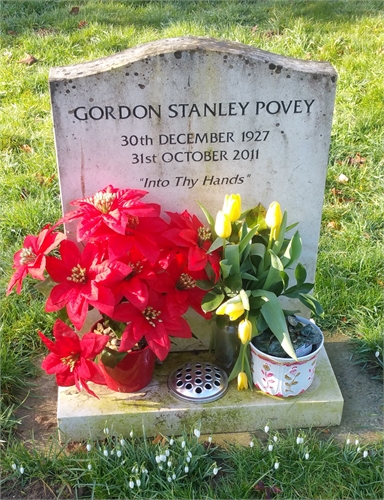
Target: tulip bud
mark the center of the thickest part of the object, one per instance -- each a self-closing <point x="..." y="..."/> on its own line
<point x="232" y="206"/>
<point x="242" y="381"/>
<point x="274" y="218"/>
<point x="245" y="331"/>
<point x="223" y="226"/>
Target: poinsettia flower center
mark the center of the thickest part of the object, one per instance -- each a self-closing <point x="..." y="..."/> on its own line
<point x="70" y="361"/>
<point x="102" y="201"/>
<point x="136" y="267"/>
<point x="151" y="315"/>
<point x="204" y="234"/>
<point x="185" y="282"/>
<point x="27" y="256"/>
<point x="133" y="221"/>
<point x="78" y="274"/>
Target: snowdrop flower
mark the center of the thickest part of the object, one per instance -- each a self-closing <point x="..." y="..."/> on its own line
<point x="356" y="442"/>
<point x="131" y="484"/>
<point x="105" y="452"/>
<point x="118" y="453"/>
<point x="171" y="441"/>
<point x="106" y="430"/>
<point x="299" y="440"/>
<point x="135" y="470"/>
<point x="277" y="465"/>
<point x="306" y="456"/>
<point x="138" y="483"/>
<point x="275" y="439"/>
<point x="210" y="439"/>
<point x="89" y="447"/>
<point x="266" y="429"/>
<point x="377" y="354"/>
<point x="122" y="442"/>
<point x="14" y="466"/>
<point x="358" y="449"/>
<point x="365" y="454"/>
<point x="89" y="466"/>
<point x="163" y="458"/>
<point x="186" y="469"/>
<point x="189" y="454"/>
<point x="169" y="463"/>
<point x="112" y="452"/>
<point x="131" y="434"/>
<point x="167" y="452"/>
<point x="251" y="444"/>
<point x="173" y="476"/>
<point x="160" y="467"/>
<point x="157" y="458"/>
<point x="183" y="444"/>
<point x="348" y="441"/>
<point x="169" y="479"/>
<point x="196" y="432"/>
<point x="21" y="470"/>
<point x="188" y="459"/>
<point x="270" y="447"/>
<point x="215" y="471"/>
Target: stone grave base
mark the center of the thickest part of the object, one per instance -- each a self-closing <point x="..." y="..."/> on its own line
<point x="81" y="416"/>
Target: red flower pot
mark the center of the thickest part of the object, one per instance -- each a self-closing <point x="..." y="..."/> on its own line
<point x="133" y="373"/>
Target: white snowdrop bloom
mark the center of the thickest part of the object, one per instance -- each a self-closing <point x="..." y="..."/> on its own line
<point x="14" y="466"/>
<point x="105" y="453"/>
<point x="275" y="439"/>
<point x="358" y="449"/>
<point x="131" y="484"/>
<point x="135" y="470"/>
<point x="118" y="453"/>
<point x="210" y="439"/>
<point x="167" y="452"/>
<point x="377" y="354"/>
<point x="277" y="465"/>
<point x="112" y="452"/>
<point x="89" y="466"/>
<point x="188" y="459"/>
<point x="173" y="476"/>
<point x="215" y="471"/>
<point x="266" y="428"/>
<point x="356" y="442"/>
<point x="306" y="456"/>
<point x="189" y="454"/>
<point x="145" y="471"/>
<point x="251" y="444"/>
<point x="122" y="442"/>
<point x="138" y="483"/>
<point x="89" y="447"/>
<point x="183" y="444"/>
<point x="186" y="469"/>
<point x="348" y="441"/>
<point x="196" y="432"/>
<point x="131" y="434"/>
<point x="365" y="454"/>
<point x="163" y="458"/>
<point x="171" y="441"/>
<point x="169" y="479"/>
<point x="21" y="470"/>
<point x="270" y="447"/>
<point x="106" y="430"/>
<point x="157" y="458"/>
<point x="169" y="463"/>
<point x="160" y="467"/>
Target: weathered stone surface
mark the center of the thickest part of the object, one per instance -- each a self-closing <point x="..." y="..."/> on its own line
<point x="81" y="416"/>
<point x="193" y="119"/>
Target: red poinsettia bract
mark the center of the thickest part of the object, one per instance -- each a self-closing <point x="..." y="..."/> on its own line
<point x="153" y="322"/>
<point x="83" y="280"/>
<point x="110" y="208"/>
<point x="31" y="258"/>
<point x="71" y="359"/>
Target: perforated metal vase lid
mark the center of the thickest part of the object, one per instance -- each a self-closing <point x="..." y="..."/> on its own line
<point x="198" y="382"/>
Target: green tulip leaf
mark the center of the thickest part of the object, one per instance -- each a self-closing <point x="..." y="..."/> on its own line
<point x="274" y="271"/>
<point x="245" y="241"/>
<point x="208" y="216"/>
<point x="204" y="284"/>
<point x="300" y="274"/>
<point x="225" y="268"/>
<point x="312" y="304"/>
<point x="234" y="282"/>
<point x="212" y="300"/>
<point x="232" y="257"/>
<point x="218" y="243"/>
<point x="111" y="358"/>
<point x="293" y="250"/>
<point x="278" y="243"/>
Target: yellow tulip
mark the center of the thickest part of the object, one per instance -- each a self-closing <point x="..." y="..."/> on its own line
<point x="234" y="310"/>
<point x="232" y="206"/>
<point x="274" y="218"/>
<point x="245" y="331"/>
<point x="223" y="226"/>
<point x="242" y="381"/>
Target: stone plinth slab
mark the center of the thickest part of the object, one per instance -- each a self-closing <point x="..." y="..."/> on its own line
<point x="81" y="416"/>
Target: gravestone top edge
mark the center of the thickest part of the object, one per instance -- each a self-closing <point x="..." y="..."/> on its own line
<point x="188" y="43"/>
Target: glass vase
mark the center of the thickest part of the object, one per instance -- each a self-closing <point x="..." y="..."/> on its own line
<point x="226" y="342"/>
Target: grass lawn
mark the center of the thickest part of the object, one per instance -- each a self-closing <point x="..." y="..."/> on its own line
<point x="350" y="269"/>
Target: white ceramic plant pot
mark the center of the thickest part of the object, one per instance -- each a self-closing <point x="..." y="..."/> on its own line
<point x="284" y="376"/>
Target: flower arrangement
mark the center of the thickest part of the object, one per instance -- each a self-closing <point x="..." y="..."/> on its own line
<point x="136" y="268"/>
<point x="255" y="257"/>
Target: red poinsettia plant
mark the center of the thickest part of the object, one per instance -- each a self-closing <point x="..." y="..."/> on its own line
<point x="137" y="268"/>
